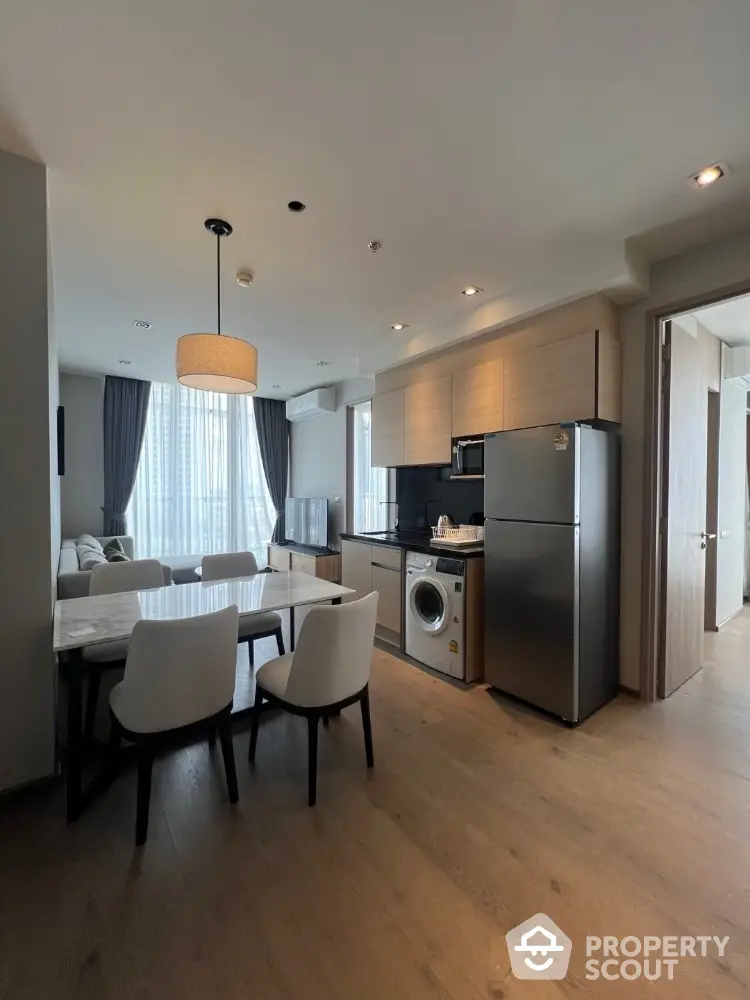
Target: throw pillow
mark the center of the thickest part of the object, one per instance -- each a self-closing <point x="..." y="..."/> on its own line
<point x="114" y="551"/>
<point x="89" y="542"/>
<point x="87" y="558"/>
<point x="114" y="556"/>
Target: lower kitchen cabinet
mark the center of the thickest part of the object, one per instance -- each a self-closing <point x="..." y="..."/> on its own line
<point x="356" y="569"/>
<point x="388" y="583"/>
<point x="365" y="568"/>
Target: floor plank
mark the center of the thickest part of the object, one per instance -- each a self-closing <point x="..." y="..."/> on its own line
<point x="404" y="880"/>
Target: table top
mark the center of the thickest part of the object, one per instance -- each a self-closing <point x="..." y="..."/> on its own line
<point x="86" y="621"/>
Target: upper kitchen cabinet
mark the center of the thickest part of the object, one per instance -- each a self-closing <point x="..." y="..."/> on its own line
<point x="427" y="422"/>
<point x="478" y="399"/>
<point x="574" y="379"/>
<point x="387" y="447"/>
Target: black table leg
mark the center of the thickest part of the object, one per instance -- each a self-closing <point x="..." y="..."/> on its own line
<point x="291" y="629"/>
<point x="74" y="735"/>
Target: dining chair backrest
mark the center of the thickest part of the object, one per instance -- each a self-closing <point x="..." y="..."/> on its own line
<point x="118" y="577"/>
<point x="179" y="671"/>
<point x="334" y="652"/>
<point x="228" y="565"/>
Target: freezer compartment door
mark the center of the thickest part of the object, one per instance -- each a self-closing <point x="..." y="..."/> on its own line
<point x="531" y="613"/>
<point x="530" y="475"/>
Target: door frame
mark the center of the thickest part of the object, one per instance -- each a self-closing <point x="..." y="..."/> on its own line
<point x="652" y="597"/>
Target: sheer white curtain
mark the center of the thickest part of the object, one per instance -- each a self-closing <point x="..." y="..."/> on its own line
<point x="200" y="486"/>
<point x="370" y="511"/>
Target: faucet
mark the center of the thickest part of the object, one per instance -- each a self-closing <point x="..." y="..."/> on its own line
<point x="392" y="503"/>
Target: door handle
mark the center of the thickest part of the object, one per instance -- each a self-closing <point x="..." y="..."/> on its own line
<point x="707" y="534"/>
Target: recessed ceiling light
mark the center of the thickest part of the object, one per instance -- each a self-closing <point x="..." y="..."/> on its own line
<point x="399" y="326"/>
<point x="296" y="206"/>
<point x="323" y="364"/>
<point x="142" y="324"/>
<point x="709" y="175"/>
<point x="472" y="290"/>
<point x="123" y="361"/>
<point x="276" y="385"/>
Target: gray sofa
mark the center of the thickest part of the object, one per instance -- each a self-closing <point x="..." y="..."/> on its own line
<point x="72" y="581"/>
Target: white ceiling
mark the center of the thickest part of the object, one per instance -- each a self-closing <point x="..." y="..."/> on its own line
<point x="729" y="321"/>
<point x="517" y="145"/>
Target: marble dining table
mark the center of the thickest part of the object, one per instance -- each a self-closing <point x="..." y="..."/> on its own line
<point x="82" y="622"/>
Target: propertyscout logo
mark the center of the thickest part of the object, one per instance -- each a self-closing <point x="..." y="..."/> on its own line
<point x="539" y="949"/>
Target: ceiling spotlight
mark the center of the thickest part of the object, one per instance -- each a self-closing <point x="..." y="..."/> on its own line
<point x="373" y="246"/>
<point x="324" y="364"/>
<point x="142" y="324"/>
<point x="123" y="361"/>
<point x="472" y="290"/>
<point x="296" y="206"/>
<point x="399" y="326"/>
<point x="276" y="385"/>
<point x="709" y="175"/>
<point x="245" y="278"/>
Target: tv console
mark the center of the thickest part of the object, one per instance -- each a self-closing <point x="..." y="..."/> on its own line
<point x="323" y="563"/>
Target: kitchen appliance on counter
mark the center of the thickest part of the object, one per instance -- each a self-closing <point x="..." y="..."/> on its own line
<point x="443" y="606"/>
<point x="552" y="542"/>
<point x="468" y="458"/>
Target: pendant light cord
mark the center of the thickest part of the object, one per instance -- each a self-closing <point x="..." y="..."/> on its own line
<point x="218" y="284"/>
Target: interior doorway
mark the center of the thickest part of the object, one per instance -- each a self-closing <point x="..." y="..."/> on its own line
<point x="696" y="502"/>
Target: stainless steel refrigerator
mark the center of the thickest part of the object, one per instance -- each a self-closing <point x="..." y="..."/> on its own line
<point x="552" y="542"/>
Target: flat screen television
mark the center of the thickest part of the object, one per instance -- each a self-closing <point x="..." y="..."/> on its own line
<point x="306" y="521"/>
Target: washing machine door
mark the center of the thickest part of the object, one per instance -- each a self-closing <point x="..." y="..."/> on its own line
<point x="429" y="604"/>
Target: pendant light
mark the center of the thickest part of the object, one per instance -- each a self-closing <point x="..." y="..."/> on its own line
<point x="213" y="361"/>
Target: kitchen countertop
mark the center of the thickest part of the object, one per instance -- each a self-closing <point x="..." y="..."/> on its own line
<point x="416" y="541"/>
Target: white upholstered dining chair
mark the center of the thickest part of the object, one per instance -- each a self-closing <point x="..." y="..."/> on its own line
<point x="178" y="682"/>
<point x="229" y="566"/>
<point x="114" y="578"/>
<point x="329" y="670"/>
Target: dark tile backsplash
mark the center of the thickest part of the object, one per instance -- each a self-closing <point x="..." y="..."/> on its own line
<point x="431" y="491"/>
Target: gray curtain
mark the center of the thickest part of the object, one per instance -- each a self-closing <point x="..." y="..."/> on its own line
<point x="125" y="412"/>
<point x="273" y="438"/>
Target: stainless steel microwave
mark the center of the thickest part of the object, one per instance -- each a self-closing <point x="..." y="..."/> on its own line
<point x="468" y="458"/>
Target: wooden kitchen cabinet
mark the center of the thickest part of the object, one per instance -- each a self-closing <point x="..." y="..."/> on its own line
<point x="427" y="422"/>
<point x="356" y="569"/>
<point x="553" y="384"/>
<point x="387" y="582"/>
<point x="387" y="447"/>
<point x="477" y="399"/>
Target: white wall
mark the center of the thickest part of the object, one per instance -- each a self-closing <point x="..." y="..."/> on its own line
<point x="318" y="455"/>
<point x="27" y="492"/>
<point x="82" y="486"/>
<point x="730" y="551"/>
<point x="700" y="272"/>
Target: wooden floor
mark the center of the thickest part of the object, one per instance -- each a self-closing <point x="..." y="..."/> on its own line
<point x="402" y="882"/>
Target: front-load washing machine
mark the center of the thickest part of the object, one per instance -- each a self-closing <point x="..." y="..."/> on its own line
<point x="434" y="597"/>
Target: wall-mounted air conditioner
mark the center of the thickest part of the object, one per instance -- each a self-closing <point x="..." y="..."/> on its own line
<point x="313" y="404"/>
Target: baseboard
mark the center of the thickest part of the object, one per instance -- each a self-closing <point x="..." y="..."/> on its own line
<point x="632" y="692"/>
<point x="733" y="615"/>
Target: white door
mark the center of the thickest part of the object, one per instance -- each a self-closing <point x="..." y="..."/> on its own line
<point x="684" y="504"/>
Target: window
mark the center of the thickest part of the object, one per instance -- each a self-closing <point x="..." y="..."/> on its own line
<point x="200" y="486"/>
<point x="370" y="487"/>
